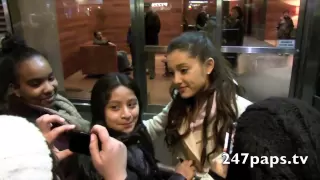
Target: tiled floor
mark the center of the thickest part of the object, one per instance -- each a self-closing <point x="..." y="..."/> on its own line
<point x="262" y="75"/>
<point x="79" y="86"/>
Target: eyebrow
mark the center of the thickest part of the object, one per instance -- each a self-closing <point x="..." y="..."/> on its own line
<point x="181" y="65"/>
<point x="40" y="78"/>
<point x="117" y="101"/>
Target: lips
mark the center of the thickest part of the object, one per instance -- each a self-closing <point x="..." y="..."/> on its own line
<point x="182" y="89"/>
<point x="128" y="125"/>
<point x="49" y="98"/>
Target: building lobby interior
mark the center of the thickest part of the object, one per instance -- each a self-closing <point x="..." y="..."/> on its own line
<point x="69" y="27"/>
<point x="261" y="75"/>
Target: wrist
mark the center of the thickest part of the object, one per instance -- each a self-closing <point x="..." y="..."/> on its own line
<point x="117" y="176"/>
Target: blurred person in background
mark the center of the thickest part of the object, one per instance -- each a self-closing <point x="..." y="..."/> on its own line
<point x="99" y="39"/>
<point x="285" y="26"/>
<point x="202" y="18"/>
<point x="152" y="25"/>
<point x="234" y="33"/>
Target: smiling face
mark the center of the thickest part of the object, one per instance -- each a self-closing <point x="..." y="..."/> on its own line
<point x="36" y="83"/>
<point x="122" y="110"/>
<point x="190" y="74"/>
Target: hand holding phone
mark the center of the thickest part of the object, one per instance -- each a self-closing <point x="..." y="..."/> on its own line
<point x="45" y="124"/>
<point x="79" y="142"/>
<point x="186" y="169"/>
<point x="111" y="160"/>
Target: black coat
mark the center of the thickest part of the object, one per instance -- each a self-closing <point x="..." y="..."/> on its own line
<point x="201" y="20"/>
<point x="152" y="28"/>
<point x="141" y="163"/>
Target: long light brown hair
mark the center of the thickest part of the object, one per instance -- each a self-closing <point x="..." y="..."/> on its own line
<point x="221" y="83"/>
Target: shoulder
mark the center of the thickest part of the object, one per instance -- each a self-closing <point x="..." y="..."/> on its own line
<point x="242" y="104"/>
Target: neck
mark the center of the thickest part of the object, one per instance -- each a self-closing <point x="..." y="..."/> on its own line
<point x="202" y="95"/>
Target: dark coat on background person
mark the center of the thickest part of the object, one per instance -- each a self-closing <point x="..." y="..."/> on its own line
<point x="141" y="163"/>
<point x="234" y="35"/>
<point x="124" y="65"/>
<point x="285" y="28"/>
<point x="152" y="28"/>
<point x="201" y="20"/>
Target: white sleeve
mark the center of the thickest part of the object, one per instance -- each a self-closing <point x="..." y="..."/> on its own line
<point x="157" y="124"/>
<point x="242" y="104"/>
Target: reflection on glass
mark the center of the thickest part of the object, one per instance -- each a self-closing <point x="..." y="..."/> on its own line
<point x="264" y="75"/>
<point x="266" y="21"/>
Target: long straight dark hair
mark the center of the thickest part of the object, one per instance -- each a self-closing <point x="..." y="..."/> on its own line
<point x="221" y="83"/>
<point x="101" y="93"/>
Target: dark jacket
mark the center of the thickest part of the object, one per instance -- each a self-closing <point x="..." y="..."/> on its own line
<point x="152" y="28"/>
<point x="201" y="20"/>
<point x="234" y="33"/>
<point x="285" y="28"/>
<point x="141" y="163"/>
<point x="129" y="36"/>
<point x="277" y="127"/>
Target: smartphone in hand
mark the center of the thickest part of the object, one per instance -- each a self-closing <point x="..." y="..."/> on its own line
<point x="79" y="142"/>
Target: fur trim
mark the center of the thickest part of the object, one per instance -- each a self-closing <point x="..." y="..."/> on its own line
<point x="24" y="152"/>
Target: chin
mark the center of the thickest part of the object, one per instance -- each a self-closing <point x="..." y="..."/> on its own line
<point x="186" y="95"/>
<point x="128" y="130"/>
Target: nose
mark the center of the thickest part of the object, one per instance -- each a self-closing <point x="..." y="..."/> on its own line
<point x="177" y="78"/>
<point x="48" y="88"/>
<point x="126" y="114"/>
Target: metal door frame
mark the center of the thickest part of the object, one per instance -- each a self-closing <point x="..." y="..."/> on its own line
<point x="138" y="40"/>
<point x="305" y="74"/>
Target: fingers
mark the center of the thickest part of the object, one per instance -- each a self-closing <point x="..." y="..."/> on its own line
<point x="44" y="122"/>
<point x="101" y="132"/>
<point x="56" y="132"/>
<point x="188" y="163"/>
<point x="61" y="155"/>
<point x="94" y="149"/>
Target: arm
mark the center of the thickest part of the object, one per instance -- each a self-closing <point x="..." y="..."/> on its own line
<point x="111" y="44"/>
<point x="99" y="42"/>
<point x="157" y="124"/>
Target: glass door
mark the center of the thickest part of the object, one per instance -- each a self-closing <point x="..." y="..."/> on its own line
<point x="258" y="39"/>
